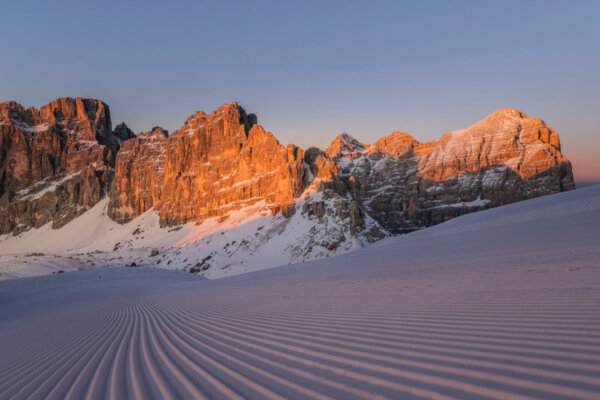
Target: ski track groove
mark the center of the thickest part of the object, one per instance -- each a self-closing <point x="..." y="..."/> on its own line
<point x="524" y="340"/>
<point x="311" y="348"/>
<point x="151" y="348"/>
<point x="51" y="365"/>
<point x="395" y="340"/>
<point x="181" y="328"/>
<point x="178" y="341"/>
<point x="390" y="347"/>
<point x="556" y="350"/>
<point x="22" y="369"/>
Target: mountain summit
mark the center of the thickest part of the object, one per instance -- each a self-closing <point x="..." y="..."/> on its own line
<point x="345" y="145"/>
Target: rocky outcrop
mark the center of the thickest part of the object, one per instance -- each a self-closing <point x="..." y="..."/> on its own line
<point x="56" y="202"/>
<point x="224" y="161"/>
<point x="345" y="145"/>
<point x="320" y="165"/>
<point x="139" y="175"/>
<point x="528" y="146"/>
<point x="506" y="157"/>
<point x="123" y="133"/>
<point x="67" y="146"/>
<point x="60" y="138"/>
<point x="211" y="165"/>
<point x="395" y="145"/>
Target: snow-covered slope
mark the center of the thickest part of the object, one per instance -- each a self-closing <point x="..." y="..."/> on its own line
<point x="500" y="304"/>
<point x="248" y="239"/>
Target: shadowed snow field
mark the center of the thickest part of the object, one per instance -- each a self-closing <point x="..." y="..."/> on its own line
<point x="501" y="304"/>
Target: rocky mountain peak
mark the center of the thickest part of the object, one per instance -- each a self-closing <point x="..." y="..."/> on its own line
<point x="123" y="133"/>
<point x="345" y="145"/>
<point x="524" y="126"/>
<point x="13" y="113"/>
<point x="90" y="117"/>
<point x="156" y="131"/>
<point x="526" y="145"/>
<point x="229" y="113"/>
<point x="394" y="144"/>
<point x="55" y="162"/>
<point x="61" y="138"/>
<point x="213" y="164"/>
<point x="508" y="112"/>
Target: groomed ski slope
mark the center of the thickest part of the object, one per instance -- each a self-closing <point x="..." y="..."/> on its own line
<point x="501" y="304"/>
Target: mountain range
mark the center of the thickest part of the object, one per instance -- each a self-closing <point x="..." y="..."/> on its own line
<point x="221" y="195"/>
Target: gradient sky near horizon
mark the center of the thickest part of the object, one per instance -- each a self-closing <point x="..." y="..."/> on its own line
<point x="311" y="70"/>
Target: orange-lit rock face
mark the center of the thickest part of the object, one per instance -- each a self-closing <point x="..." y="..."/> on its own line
<point x="345" y="145"/>
<point x="139" y="175"/>
<point x="54" y="162"/>
<point x="321" y="166"/>
<point x="61" y="138"/>
<point x="506" y="157"/>
<point x="395" y="144"/>
<point x="224" y="161"/>
<point x="213" y="164"/>
<point x="526" y="145"/>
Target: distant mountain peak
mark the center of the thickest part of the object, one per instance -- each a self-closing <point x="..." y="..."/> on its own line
<point x="394" y="144"/>
<point x="345" y="145"/>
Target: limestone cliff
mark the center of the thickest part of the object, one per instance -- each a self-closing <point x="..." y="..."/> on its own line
<point x="67" y="145"/>
<point x="211" y="165"/>
<point x="506" y="157"/>
<point x="139" y="175"/>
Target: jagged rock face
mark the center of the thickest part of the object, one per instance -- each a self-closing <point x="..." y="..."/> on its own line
<point x="123" y="133"/>
<point x="57" y="202"/>
<point x="86" y="119"/>
<point x="61" y="138"/>
<point x="526" y="145"/>
<point x="139" y="175"/>
<point x="395" y="145"/>
<point x="345" y="145"/>
<point x="213" y="164"/>
<point x="320" y="165"/>
<point x="504" y="158"/>
<point x="40" y="147"/>
<point x="379" y="182"/>
<point x="224" y="161"/>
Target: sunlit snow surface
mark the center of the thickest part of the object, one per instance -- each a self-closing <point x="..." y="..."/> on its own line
<point x="498" y="304"/>
<point x="246" y="240"/>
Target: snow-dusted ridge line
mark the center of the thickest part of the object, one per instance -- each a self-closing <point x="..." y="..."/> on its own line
<point x="38" y="190"/>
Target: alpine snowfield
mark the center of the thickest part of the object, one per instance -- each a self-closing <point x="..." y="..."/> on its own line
<point x="501" y="304"/>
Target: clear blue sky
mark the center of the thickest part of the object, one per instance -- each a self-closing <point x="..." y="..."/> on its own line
<point x="311" y="70"/>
